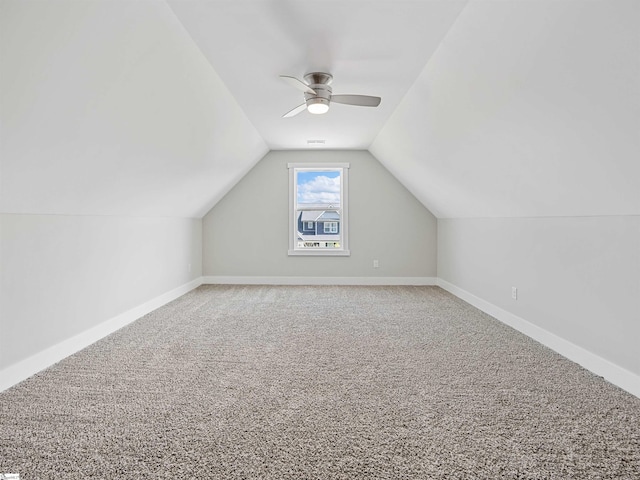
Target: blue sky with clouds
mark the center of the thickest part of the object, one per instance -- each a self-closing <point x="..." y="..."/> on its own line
<point x="318" y="187"/>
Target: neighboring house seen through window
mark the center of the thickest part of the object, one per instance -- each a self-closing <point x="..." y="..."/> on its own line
<point x="318" y="196"/>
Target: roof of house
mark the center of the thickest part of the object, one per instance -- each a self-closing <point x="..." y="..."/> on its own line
<point x="314" y="216"/>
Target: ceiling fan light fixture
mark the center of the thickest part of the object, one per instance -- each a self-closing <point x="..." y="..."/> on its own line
<point x="317" y="105"/>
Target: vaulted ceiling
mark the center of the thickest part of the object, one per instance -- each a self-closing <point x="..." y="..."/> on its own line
<point x="489" y="108"/>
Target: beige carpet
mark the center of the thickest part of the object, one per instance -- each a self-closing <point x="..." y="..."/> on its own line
<point x="268" y="382"/>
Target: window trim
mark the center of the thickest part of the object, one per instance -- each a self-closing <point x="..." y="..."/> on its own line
<point x="344" y="209"/>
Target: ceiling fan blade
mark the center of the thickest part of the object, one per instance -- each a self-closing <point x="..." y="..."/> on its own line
<point x="295" y="111"/>
<point x="299" y="84"/>
<point x="359" y="100"/>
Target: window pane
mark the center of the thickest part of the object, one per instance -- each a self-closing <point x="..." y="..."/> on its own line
<point x="318" y="188"/>
<point x="327" y="233"/>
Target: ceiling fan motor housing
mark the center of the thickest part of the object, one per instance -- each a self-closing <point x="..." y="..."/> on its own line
<point x="319" y="82"/>
<point x="318" y="78"/>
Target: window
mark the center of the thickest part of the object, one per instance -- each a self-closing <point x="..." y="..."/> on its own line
<point x="318" y="209"/>
<point x="330" y="227"/>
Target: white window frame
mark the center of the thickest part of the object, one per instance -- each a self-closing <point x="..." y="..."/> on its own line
<point x="333" y="227"/>
<point x="343" y="250"/>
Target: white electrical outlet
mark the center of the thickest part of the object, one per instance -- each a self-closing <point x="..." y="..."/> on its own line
<point x="514" y="293"/>
<point x="376" y="264"/>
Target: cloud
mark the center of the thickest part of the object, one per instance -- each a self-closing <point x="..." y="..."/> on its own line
<point x="320" y="189"/>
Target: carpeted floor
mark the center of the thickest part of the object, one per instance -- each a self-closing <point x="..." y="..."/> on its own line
<point x="271" y="382"/>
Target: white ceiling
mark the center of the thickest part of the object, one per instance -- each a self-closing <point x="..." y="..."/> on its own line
<point x="370" y="47"/>
<point x="527" y="109"/>
<point x="109" y="108"/>
<point x="489" y="108"/>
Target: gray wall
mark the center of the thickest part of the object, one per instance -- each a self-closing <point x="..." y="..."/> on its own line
<point x="577" y="277"/>
<point x="259" y="202"/>
<point x="63" y="274"/>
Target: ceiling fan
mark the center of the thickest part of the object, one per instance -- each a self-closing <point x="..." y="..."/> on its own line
<point x="318" y="95"/>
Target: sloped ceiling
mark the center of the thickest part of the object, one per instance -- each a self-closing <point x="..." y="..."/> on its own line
<point x="109" y="108"/>
<point x="527" y="108"/>
<point x="522" y="108"/>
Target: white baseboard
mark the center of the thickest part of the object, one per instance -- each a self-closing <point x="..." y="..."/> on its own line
<point x="25" y="368"/>
<point x="248" y="280"/>
<point x="613" y="373"/>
